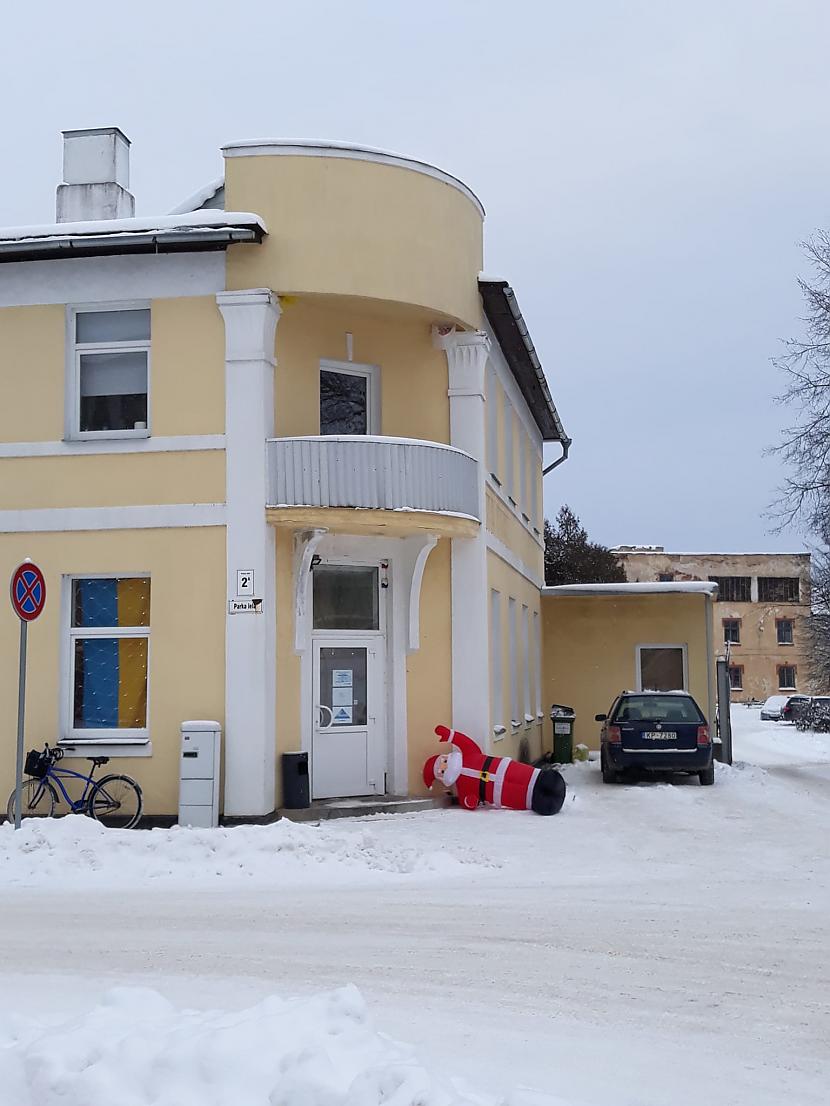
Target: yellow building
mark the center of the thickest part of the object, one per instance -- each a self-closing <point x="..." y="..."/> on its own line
<point x="602" y="639"/>
<point x="279" y="455"/>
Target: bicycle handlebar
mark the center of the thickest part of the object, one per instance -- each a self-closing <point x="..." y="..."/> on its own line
<point x="54" y="753"/>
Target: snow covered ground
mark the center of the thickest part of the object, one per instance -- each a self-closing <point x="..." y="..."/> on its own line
<point x="653" y="945"/>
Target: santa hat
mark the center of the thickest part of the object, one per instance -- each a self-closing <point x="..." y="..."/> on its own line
<point x="429" y="771"/>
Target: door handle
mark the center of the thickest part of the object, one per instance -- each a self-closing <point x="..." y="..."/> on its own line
<point x="324" y="725"/>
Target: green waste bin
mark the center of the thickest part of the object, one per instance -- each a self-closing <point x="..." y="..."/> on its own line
<point x="563" y="719"/>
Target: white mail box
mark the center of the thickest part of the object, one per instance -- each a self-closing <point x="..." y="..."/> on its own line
<point x="199" y="766"/>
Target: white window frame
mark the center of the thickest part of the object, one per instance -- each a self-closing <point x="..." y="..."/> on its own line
<point x="372" y="376"/>
<point x="661" y="645"/>
<point x="496" y="672"/>
<point x="509" y="459"/>
<point x="528" y="717"/>
<point x="72" y="403"/>
<point x="522" y="497"/>
<point x="534" y="489"/>
<point x="513" y="632"/>
<point x="114" y="736"/>
<point x="493" y="423"/>
<point x="537" y="642"/>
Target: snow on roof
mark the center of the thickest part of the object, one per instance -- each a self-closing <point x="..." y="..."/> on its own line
<point x="689" y="587"/>
<point x="199" y="198"/>
<point x="191" y="220"/>
<point x="657" y="551"/>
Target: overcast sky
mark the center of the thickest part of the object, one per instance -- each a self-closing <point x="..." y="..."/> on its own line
<point x="648" y="170"/>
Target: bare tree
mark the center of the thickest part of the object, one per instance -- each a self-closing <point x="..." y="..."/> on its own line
<point x="805" y="448"/>
<point x="805" y="444"/>
<point x="817" y="625"/>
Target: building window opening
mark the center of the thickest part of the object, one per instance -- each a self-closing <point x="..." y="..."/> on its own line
<point x="732" y="631"/>
<point x="109" y="652"/>
<point x="784" y="631"/>
<point x="736" y="677"/>
<point x="345" y="597"/>
<point x="733" y="589"/>
<point x="112" y="351"/>
<point x="778" y="589"/>
<point x="786" y="677"/>
<point x="661" y="668"/>
<point x="347" y="400"/>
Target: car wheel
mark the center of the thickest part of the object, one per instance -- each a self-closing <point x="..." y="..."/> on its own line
<point x="707" y="776"/>
<point x="609" y="774"/>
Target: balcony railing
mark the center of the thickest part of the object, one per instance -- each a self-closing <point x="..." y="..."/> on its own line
<point x="392" y="474"/>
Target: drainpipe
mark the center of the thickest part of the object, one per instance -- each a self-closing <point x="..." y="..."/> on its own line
<point x="566" y="446"/>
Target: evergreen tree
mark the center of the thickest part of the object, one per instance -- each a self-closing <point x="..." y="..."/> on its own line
<point x="571" y="559"/>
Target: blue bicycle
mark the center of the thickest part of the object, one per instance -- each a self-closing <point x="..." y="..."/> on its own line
<point x="113" y="800"/>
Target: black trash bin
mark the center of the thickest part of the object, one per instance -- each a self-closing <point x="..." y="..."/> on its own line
<point x="296" y="794"/>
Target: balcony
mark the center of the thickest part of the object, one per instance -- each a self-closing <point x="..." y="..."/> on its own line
<point x="372" y="484"/>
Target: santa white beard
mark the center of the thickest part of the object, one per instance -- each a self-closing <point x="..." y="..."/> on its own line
<point x="453" y="769"/>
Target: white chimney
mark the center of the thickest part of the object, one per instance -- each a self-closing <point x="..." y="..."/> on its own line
<point x="96" y="176"/>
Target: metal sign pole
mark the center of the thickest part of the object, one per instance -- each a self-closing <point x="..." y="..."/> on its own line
<point x="21" y="711"/>
<point x="724" y="716"/>
<point x="27" y="591"/>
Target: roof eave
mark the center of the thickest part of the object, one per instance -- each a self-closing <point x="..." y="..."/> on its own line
<point x="102" y="245"/>
<point x="505" y="317"/>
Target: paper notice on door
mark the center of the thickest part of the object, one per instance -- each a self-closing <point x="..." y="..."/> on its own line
<point x="343" y="716"/>
<point x="341" y="677"/>
<point x="341" y="696"/>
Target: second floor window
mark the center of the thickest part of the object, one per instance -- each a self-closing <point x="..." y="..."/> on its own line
<point x="733" y="589"/>
<point x="732" y="631"/>
<point x="111" y="379"/>
<point x="348" y="400"/>
<point x="784" y="631"/>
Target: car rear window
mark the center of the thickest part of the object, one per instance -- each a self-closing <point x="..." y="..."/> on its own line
<point x="657" y="708"/>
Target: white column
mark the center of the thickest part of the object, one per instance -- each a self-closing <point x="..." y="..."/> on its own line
<point x="467" y="360"/>
<point x="251" y="319"/>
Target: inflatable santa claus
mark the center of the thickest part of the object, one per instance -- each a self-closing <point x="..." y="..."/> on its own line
<point x="499" y="781"/>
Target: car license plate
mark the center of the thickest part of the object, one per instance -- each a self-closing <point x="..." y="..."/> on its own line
<point x="660" y="735"/>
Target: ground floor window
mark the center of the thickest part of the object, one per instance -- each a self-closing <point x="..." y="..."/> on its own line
<point x="109" y="641"/>
<point x="786" y="677"/>
<point x="661" y="667"/>
<point x="736" y="677"/>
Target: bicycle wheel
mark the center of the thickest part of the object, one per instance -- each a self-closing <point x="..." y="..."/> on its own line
<point x="116" y="802"/>
<point x="37" y="800"/>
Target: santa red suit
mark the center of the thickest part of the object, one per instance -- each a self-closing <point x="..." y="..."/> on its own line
<point x="499" y="781"/>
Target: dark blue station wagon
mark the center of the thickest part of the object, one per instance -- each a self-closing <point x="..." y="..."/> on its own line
<point x="662" y="731"/>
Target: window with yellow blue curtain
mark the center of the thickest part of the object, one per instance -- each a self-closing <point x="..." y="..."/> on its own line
<point x="110" y="635"/>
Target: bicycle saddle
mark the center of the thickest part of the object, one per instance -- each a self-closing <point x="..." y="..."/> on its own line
<point x="99" y="760"/>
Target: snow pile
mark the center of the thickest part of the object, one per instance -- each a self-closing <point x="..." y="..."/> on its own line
<point x="136" y="1048"/>
<point x="76" y="849"/>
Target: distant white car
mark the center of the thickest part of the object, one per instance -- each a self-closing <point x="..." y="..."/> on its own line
<point x="771" y="710"/>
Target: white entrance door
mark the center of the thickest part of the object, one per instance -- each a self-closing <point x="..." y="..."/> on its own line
<point x="348" y="756"/>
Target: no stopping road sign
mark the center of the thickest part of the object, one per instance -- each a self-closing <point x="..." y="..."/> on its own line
<point x="28" y="591"/>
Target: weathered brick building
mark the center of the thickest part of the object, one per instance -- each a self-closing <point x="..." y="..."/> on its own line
<point x="759" y="618"/>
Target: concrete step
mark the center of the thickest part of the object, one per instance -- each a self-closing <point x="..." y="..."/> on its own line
<point x="323" y="809"/>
